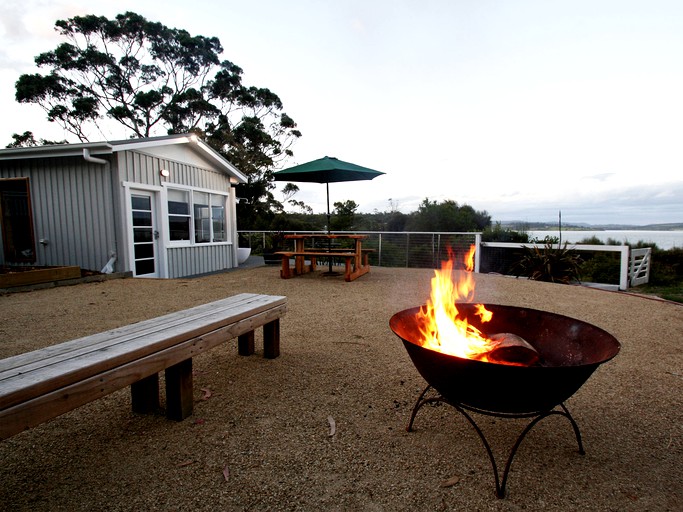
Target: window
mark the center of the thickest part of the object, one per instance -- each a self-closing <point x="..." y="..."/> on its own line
<point x="208" y="216"/>
<point x="179" y="214"/>
<point x="218" y="218"/>
<point x="202" y="218"/>
<point x="16" y="221"/>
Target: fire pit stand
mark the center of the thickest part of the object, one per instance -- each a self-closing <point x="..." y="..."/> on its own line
<point x="423" y="399"/>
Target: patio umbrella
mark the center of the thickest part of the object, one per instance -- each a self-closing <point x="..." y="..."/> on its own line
<point x="326" y="170"/>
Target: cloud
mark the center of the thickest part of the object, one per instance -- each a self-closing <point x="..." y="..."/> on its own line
<point x="636" y="205"/>
<point x="600" y="177"/>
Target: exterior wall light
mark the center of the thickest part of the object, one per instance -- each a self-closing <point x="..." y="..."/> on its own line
<point x="165" y="173"/>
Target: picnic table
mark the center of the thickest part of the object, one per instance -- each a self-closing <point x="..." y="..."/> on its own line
<point x="311" y="246"/>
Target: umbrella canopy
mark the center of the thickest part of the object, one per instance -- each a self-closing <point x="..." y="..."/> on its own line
<point x="326" y="170"/>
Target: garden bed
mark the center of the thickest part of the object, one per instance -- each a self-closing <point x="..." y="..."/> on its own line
<point x="23" y="276"/>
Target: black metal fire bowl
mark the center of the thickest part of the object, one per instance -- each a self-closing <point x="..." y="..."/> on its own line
<point x="570" y="350"/>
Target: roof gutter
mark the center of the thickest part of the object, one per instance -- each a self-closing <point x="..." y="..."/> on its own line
<point x="88" y="158"/>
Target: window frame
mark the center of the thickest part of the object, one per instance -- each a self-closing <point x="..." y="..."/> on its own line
<point x="212" y="194"/>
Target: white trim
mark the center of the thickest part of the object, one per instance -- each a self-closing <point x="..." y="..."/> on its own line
<point x="192" y="243"/>
<point x="56" y="151"/>
<point x="141" y="186"/>
<point x="194" y="143"/>
<point x="157" y="204"/>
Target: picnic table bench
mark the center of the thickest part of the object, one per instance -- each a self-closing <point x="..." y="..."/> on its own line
<point x="329" y="246"/>
<point x="352" y="270"/>
<point x="40" y="385"/>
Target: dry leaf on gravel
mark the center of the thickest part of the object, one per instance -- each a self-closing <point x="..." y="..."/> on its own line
<point x="451" y="481"/>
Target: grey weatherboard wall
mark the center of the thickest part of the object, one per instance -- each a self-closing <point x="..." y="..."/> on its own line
<point x="73" y="211"/>
<point x="144" y="169"/>
<point x="80" y="210"/>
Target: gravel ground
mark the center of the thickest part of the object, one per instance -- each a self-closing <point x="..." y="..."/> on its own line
<point x="261" y="437"/>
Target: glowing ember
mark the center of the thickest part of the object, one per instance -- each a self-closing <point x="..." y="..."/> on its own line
<point x="443" y="328"/>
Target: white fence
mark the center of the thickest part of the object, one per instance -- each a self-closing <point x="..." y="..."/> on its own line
<point x="639" y="269"/>
<point x="634" y="263"/>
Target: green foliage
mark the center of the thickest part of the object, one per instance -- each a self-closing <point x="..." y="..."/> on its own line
<point x="547" y="239"/>
<point x="667" y="267"/>
<point x="344" y="215"/>
<point x="137" y="72"/>
<point x="550" y="264"/>
<point x="591" y="240"/>
<point x="672" y="292"/>
<point x="447" y="216"/>
<point x="501" y="260"/>
<point x="381" y="221"/>
<point x="153" y="79"/>
<point x="497" y="233"/>
<point x="666" y="274"/>
<point x="26" y="139"/>
<point x="601" y="267"/>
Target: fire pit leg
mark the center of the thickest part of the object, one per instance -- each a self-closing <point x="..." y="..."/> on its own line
<point x="574" y="426"/>
<point x="421" y="400"/>
<point x="500" y="489"/>
<point x="536" y="417"/>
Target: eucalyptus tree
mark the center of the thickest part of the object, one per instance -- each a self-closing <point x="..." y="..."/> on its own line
<point x="156" y="80"/>
<point x="447" y="216"/>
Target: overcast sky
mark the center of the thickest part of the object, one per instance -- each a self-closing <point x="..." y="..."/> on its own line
<point x="521" y="108"/>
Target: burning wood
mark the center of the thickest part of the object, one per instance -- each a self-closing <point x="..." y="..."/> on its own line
<point x="445" y="329"/>
<point x="512" y="349"/>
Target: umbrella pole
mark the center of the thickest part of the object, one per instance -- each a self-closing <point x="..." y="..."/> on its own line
<point x="329" y="230"/>
<point x="327" y="185"/>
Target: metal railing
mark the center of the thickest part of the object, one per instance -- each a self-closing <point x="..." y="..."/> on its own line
<point x="429" y="249"/>
<point x="391" y="249"/>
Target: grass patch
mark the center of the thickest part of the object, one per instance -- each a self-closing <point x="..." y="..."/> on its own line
<point x="673" y="292"/>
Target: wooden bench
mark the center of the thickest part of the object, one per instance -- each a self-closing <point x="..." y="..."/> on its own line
<point x="40" y="385"/>
<point x="352" y="271"/>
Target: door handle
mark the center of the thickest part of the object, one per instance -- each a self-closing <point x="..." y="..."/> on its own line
<point x="156" y="235"/>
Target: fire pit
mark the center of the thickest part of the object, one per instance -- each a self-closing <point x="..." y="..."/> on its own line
<point x="498" y="360"/>
<point x="569" y="352"/>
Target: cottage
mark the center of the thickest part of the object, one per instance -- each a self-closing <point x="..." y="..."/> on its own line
<point x="157" y="207"/>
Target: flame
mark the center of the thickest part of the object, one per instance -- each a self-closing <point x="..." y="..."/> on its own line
<point x="442" y="326"/>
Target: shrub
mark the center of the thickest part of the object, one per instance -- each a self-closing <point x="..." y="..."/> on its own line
<point x="550" y="264"/>
<point x="601" y="268"/>
<point x="667" y="267"/>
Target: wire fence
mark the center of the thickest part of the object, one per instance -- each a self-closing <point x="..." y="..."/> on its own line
<point x="614" y="265"/>
<point x="390" y="249"/>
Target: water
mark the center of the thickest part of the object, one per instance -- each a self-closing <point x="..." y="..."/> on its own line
<point x="664" y="239"/>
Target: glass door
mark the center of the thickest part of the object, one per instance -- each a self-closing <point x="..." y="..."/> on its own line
<point x="145" y="234"/>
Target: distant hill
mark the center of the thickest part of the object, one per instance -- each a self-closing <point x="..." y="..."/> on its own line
<point x="519" y="225"/>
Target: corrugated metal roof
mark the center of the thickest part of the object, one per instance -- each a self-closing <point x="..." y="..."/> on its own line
<point x="109" y="147"/>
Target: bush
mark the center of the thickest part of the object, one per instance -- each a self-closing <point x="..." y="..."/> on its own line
<point x="601" y="268"/>
<point x="499" y="234"/>
<point x="555" y="265"/>
<point x="667" y="267"/>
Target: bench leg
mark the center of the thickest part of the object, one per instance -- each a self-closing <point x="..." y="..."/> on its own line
<point x="145" y="395"/>
<point x="245" y="344"/>
<point x="271" y="339"/>
<point x="179" y="398"/>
